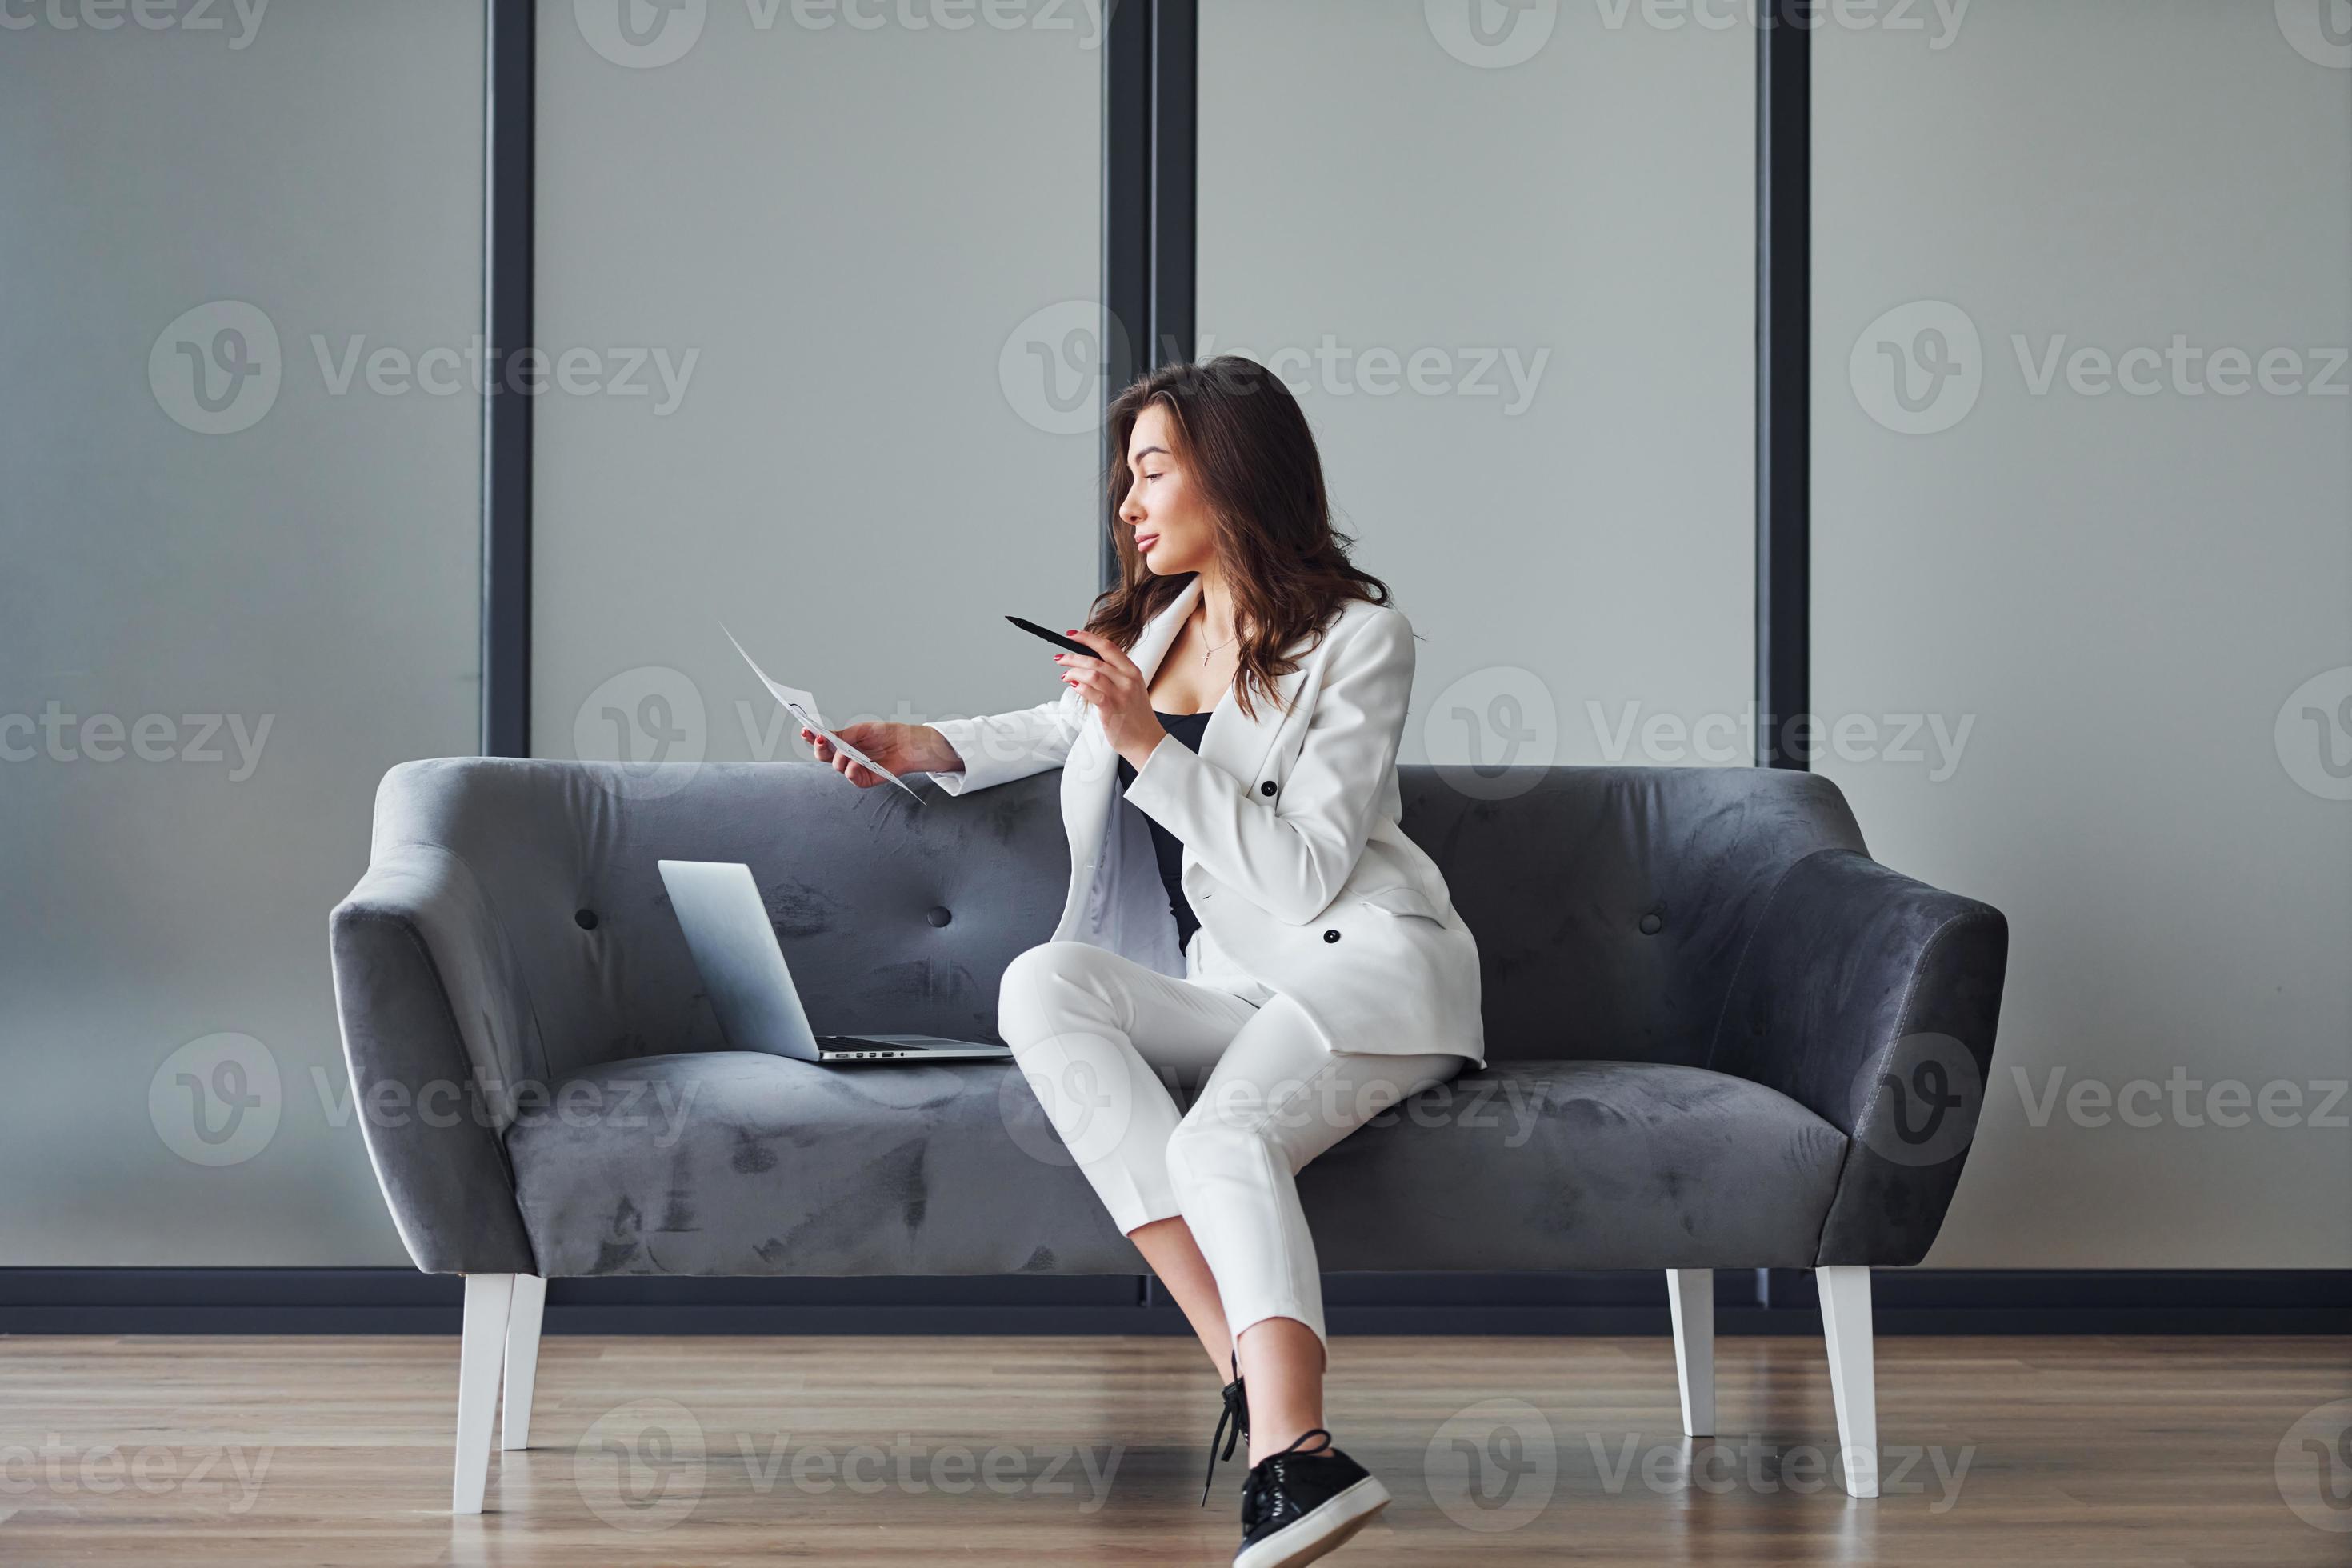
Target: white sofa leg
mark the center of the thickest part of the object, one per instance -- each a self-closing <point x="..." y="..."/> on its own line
<point x="1691" y="1293"/>
<point x="1846" y="1323"/>
<point x="522" y="1361"/>
<point x="489" y="1297"/>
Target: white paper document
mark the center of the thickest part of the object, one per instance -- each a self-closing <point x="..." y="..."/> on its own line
<point x="802" y="705"/>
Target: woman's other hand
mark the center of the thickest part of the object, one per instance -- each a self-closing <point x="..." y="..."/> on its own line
<point x="902" y="748"/>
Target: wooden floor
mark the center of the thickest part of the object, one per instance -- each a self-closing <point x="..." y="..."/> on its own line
<point x="162" y="1452"/>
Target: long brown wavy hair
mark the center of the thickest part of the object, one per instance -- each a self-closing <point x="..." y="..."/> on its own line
<point x="1244" y="441"/>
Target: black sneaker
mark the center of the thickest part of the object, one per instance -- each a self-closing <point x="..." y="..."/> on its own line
<point x="1299" y="1504"/>
<point x="1232" y="1426"/>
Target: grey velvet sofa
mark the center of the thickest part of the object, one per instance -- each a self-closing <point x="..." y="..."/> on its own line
<point x="1720" y="1036"/>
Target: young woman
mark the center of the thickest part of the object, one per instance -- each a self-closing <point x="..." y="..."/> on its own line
<point x="1257" y="928"/>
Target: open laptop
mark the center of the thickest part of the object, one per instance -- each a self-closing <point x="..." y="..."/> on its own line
<point x="751" y="989"/>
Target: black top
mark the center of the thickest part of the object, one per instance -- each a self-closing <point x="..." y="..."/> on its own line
<point x="1169" y="848"/>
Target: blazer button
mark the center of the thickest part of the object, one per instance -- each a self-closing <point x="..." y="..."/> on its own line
<point x="1266" y="788"/>
<point x="1330" y="936"/>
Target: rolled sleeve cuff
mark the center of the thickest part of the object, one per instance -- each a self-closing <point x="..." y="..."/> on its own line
<point x="963" y="735"/>
<point x="1155" y="791"/>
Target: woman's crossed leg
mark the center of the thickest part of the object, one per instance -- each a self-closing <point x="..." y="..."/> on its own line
<point x="1208" y="1194"/>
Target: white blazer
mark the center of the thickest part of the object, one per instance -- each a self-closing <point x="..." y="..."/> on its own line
<point x="1293" y="861"/>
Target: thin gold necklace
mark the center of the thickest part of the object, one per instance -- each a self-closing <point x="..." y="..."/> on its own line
<point x="1204" y="633"/>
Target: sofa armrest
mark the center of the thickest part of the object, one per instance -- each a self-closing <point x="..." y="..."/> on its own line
<point x="1872" y="999"/>
<point x="438" y="1036"/>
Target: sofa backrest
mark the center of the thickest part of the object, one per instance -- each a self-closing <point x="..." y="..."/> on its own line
<point x="1610" y="903"/>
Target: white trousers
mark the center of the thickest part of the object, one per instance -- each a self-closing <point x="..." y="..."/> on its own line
<point x="1105" y="1043"/>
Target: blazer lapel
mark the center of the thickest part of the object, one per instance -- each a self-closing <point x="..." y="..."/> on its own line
<point x="1151" y="646"/>
<point x="1090" y="773"/>
<point x="1229" y="741"/>
<point x="1233" y="741"/>
<point x="1151" y="643"/>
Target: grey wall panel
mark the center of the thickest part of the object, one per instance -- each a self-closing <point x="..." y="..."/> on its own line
<point x="1558" y="217"/>
<point x="853" y="231"/>
<point x="2119" y="589"/>
<point x="225" y="612"/>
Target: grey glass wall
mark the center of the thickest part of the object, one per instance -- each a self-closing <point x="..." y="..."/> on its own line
<point x="865" y="254"/>
<point x="2082" y="592"/>
<point x="817" y="305"/>
<point x="1504" y="257"/>
<point x="241" y="268"/>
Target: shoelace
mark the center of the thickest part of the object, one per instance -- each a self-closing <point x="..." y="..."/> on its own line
<point x="1231" y="1422"/>
<point x="1265" y="1475"/>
